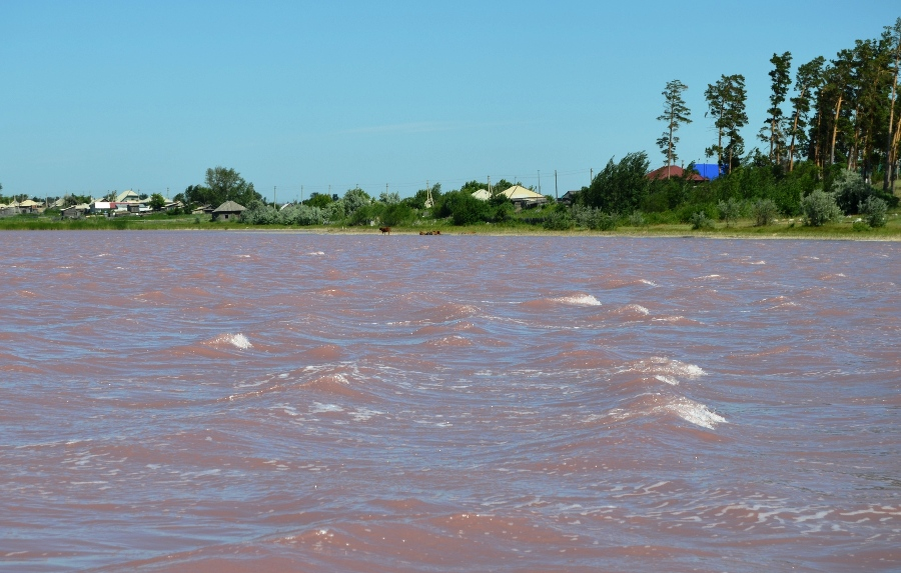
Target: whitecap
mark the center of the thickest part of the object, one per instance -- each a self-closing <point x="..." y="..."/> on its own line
<point x="579" y="299"/>
<point x="239" y="341"/>
<point x="696" y="413"/>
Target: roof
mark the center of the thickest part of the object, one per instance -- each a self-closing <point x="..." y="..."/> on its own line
<point x="518" y="192"/>
<point x="482" y="194"/>
<point x="229" y="207"/>
<point x="674" y="171"/>
<point x="123" y="196"/>
<point x="29" y="203"/>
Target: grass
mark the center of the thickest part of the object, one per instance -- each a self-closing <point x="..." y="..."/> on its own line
<point x="784" y="228"/>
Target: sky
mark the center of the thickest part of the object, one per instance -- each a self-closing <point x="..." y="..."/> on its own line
<point x="302" y="97"/>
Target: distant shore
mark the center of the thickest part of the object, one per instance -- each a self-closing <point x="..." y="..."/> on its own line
<point x="848" y="229"/>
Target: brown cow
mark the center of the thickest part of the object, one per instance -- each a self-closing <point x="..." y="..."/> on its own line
<point x="385" y="230"/>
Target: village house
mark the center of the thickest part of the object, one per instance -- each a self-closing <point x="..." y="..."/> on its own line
<point x="228" y="211"/>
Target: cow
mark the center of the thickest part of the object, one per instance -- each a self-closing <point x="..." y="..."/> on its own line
<point x="385" y="230"/>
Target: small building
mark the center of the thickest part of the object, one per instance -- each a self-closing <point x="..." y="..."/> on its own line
<point x="523" y="198"/>
<point x="482" y="194"/>
<point x="569" y="197"/>
<point x="76" y="211"/>
<point x="28" y="206"/>
<point x="228" y="211"/>
<point x="126" y="196"/>
<point x="677" y="172"/>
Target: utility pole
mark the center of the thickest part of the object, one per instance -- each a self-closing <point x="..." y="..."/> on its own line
<point x="539" y="181"/>
<point x="301" y="194"/>
<point x="274" y="197"/>
<point x="556" y="195"/>
<point x="489" y="185"/>
<point x="590" y="176"/>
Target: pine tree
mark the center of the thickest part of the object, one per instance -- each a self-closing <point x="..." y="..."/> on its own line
<point x="675" y="113"/>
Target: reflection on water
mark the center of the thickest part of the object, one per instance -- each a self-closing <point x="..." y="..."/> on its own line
<point x="251" y="401"/>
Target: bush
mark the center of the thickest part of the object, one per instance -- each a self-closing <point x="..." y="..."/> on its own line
<point x="398" y="214"/>
<point x="594" y="219"/>
<point x="558" y="221"/>
<point x="637" y="219"/>
<point x="730" y="210"/>
<point x="849" y="190"/>
<point x="700" y="221"/>
<point x="764" y="212"/>
<point x="819" y="208"/>
<point x="873" y="209"/>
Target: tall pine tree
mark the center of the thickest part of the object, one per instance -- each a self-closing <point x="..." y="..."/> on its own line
<point x="675" y="113"/>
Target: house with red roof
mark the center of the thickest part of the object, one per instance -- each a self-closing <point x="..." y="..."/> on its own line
<point x="667" y="172"/>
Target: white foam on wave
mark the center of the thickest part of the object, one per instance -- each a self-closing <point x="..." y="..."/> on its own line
<point x="579" y="300"/>
<point x="240" y="341"/>
<point x="667" y="379"/>
<point x="635" y="308"/>
<point x="236" y="340"/>
<point x="667" y="368"/>
<point x="695" y="413"/>
<point x="647" y="282"/>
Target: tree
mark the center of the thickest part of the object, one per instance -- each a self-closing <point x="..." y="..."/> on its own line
<point x="892" y="38"/>
<point x="320" y="200"/>
<point x="781" y="79"/>
<point x="619" y="187"/>
<point x="228" y="185"/>
<point x="157" y="201"/>
<point x="675" y="113"/>
<point x="807" y="79"/>
<point x="354" y="199"/>
<point x="726" y="99"/>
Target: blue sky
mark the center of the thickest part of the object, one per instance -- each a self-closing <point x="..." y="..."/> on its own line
<point x="99" y="96"/>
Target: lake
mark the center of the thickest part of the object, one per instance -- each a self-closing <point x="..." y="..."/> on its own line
<point x="249" y="401"/>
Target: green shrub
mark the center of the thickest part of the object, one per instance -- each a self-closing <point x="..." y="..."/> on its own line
<point x="558" y="221"/>
<point x="764" y="212"/>
<point x="700" y="221"/>
<point x="637" y="219"/>
<point x="730" y="210"/>
<point x="873" y="209"/>
<point x="819" y="208"/>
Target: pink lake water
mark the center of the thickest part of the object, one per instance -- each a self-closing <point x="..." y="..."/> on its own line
<point x="231" y="402"/>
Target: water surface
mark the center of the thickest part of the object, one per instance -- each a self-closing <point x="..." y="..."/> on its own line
<point x="204" y="401"/>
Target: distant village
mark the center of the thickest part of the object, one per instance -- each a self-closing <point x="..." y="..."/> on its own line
<point x="125" y="203"/>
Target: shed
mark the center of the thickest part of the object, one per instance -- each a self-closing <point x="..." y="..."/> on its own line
<point x="228" y="210"/>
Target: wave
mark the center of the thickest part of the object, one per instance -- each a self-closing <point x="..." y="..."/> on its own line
<point x="236" y="340"/>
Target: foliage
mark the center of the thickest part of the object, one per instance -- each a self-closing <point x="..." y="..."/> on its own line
<point x="463" y="208"/>
<point x="874" y="209"/>
<point x="157" y="202"/>
<point x="391" y="198"/>
<point x="700" y="221"/>
<point x="730" y="210"/>
<point x="781" y="79"/>
<point x="849" y="190"/>
<point x="726" y="100"/>
<point x="675" y="113"/>
<point x="593" y="218"/>
<point x="398" y="214"/>
<point x="558" y="220"/>
<point x="637" y="219"/>
<point x="320" y="200"/>
<point x="819" y="208"/>
<point x="619" y="187"/>
<point x="764" y="212"/>
<point x="228" y="185"/>
<point x="354" y="200"/>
